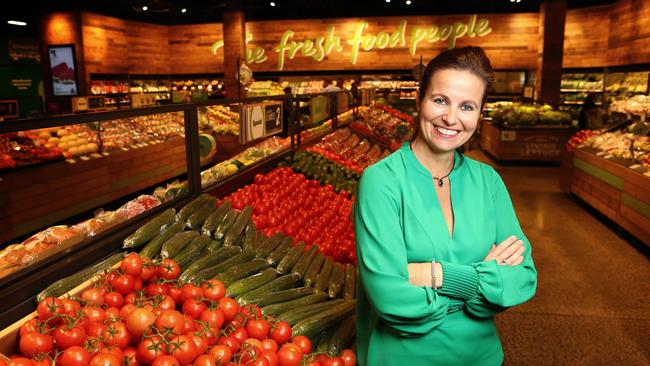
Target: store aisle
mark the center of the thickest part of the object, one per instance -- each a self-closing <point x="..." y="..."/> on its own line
<point x="593" y="300"/>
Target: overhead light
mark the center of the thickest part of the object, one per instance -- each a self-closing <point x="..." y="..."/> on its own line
<point x="16" y="22"/>
<point x="408" y="2"/>
<point x="183" y="10"/>
<point x="387" y="1"/>
<point x="272" y="3"/>
<point x="145" y="8"/>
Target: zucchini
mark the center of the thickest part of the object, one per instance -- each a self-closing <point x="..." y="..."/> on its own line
<point x="206" y="261"/>
<point x="196" y="219"/>
<point x="152" y="249"/>
<point x="305" y="260"/>
<point x="225" y="224"/>
<point x="309" y="279"/>
<point x="323" y="280"/>
<point x="291" y="258"/>
<point x="238" y="227"/>
<point x="282" y="296"/>
<point x="192" y="251"/>
<point x="342" y="336"/>
<point x="280" y="283"/>
<point x="149" y="230"/>
<point x="279" y="252"/>
<point x="215" y="218"/>
<point x="66" y="284"/>
<point x="251" y="283"/>
<point x="349" y="287"/>
<point x="269" y="245"/>
<point x="250" y="234"/>
<point x="315" y="324"/>
<point x="302" y="301"/>
<point x="323" y="344"/>
<point x="294" y="316"/>
<point x="212" y="271"/>
<point x="189" y="209"/>
<point x="336" y="280"/>
<point x="174" y="245"/>
<point x="242" y="270"/>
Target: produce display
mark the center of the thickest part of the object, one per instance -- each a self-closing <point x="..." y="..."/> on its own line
<point x="631" y="143"/>
<point x="582" y="82"/>
<point x="219" y="120"/>
<point x="627" y="83"/>
<point x="517" y="114"/>
<point x="579" y="138"/>
<point x="638" y="105"/>
<point x="385" y="124"/>
<point x="264" y="88"/>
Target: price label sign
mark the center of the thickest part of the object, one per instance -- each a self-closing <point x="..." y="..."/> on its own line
<point x="508" y="135"/>
<point x="260" y="120"/>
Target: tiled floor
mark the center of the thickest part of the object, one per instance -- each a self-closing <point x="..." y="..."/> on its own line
<point x="592" y="305"/>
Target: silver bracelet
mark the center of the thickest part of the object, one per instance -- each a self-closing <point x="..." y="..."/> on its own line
<point x="433" y="275"/>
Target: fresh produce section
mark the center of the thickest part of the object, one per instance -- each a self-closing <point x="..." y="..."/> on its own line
<point x="517" y="114"/>
<point x="219" y="120"/>
<point x="384" y="124"/>
<point x="631" y="143"/>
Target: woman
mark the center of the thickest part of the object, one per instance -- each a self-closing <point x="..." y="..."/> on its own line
<point x="426" y="207"/>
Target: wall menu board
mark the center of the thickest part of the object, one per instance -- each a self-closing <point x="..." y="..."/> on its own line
<point x="63" y="70"/>
<point x="260" y="120"/>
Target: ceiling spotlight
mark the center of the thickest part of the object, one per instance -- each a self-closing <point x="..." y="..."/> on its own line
<point x="16" y="22"/>
<point x="408" y="2"/>
<point x="145" y="8"/>
<point x="183" y="10"/>
<point x="272" y="3"/>
<point x="387" y="1"/>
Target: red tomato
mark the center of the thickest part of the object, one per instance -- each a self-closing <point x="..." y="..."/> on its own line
<point x="170" y="321"/>
<point x="231" y="342"/>
<point x="333" y="361"/>
<point x="213" y="290"/>
<point x="183" y="349"/>
<point x="139" y="321"/>
<point x="132" y="265"/>
<point x="205" y="360"/>
<point x="303" y="342"/>
<point x="214" y="318"/>
<point x="165" y="360"/>
<point x="67" y="337"/>
<point x="221" y="353"/>
<point x="157" y="289"/>
<point x="168" y="269"/>
<point x="105" y="359"/>
<point x="123" y="284"/>
<point x="189" y="291"/>
<point x="269" y="345"/>
<point x="130" y="357"/>
<point x="194" y="308"/>
<point x="74" y="356"/>
<point x="229" y="307"/>
<point x="258" y="329"/>
<point x="21" y="361"/>
<point x="150" y="348"/>
<point x="271" y="357"/>
<point x="114" y="299"/>
<point x="112" y="314"/>
<point x="240" y="334"/>
<point x="94" y="329"/>
<point x="282" y="332"/>
<point x="34" y="343"/>
<point x="32" y="325"/>
<point x="126" y="310"/>
<point x="259" y="361"/>
<point x="201" y="343"/>
<point x="175" y="293"/>
<point x="189" y="325"/>
<point x="349" y="357"/>
<point x="71" y="307"/>
<point x="289" y="356"/>
<point x="116" y="335"/>
<point x="148" y="270"/>
<point x="48" y="307"/>
<point x="167" y="303"/>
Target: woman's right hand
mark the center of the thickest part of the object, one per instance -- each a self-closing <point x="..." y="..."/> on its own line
<point x="508" y="253"/>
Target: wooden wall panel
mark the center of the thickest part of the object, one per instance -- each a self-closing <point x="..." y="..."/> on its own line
<point x="585" y="37"/>
<point x="629" y="35"/>
<point x="148" y="47"/>
<point x="105" y="44"/>
<point x="190" y="48"/>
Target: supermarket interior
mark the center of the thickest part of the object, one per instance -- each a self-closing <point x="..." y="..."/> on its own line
<point x="178" y="179"/>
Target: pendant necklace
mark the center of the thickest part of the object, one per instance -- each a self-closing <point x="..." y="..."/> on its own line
<point x="440" y="182"/>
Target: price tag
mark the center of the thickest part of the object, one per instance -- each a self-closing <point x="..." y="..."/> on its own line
<point x="70" y="161"/>
<point x="635" y="166"/>
<point x="609" y="156"/>
<point x="600" y="153"/>
<point x="106" y="153"/>
<point x="84" y="158"/>
<point x="124" y="149"/>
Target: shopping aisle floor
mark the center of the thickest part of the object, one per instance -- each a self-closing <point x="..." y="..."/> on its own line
<point x="592" y="305"/>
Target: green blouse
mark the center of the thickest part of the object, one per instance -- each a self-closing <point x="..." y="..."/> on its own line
<point x="398" y="220"/>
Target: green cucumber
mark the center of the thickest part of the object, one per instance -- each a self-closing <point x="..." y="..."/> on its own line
<point x="323" y="280"/>
<point x="305" y="260"/>
<point x="269" y="245"/>
<point x="174" y="245"/>
<point x="342" y="336"/>
<point x="189" y="209"/>
<point x="196" y="220"/>
<point x="209" y="260"/>
<point x="251" y="283"/>
<point x="222" y="229"/>
<point x="323" y="344"/>
<point x="336" y="280"/>
<point x="290" y="259"/>
<point x="215" y="218"/>
<point x="294" y="316"/>
<point x="192" y="251"/>
<point x="280" y="283"/>
<point x="349" y="287"/>
<point x="302" y="301"/>
<point x="152" y="249"/>
<point x="242" y="270"/>
<point x="149" y="230"/>
<point x="238" y="227"/>
<point x="309" y="279"/>
<point x="315" y="324"/>
<point x="214" y="245"/>
<point x="282" y="296"/>
<point x="276" y="256"/>
<point x="212" y="271"/>
<point x="250" y="234"/>
<point x="66" y="284"/>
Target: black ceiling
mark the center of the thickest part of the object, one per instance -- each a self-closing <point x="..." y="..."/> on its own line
<point x="209" y="11"/>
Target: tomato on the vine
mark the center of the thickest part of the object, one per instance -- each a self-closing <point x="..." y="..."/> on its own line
<point x="65" y="337"/>
<point x="48" y="307"/>
<point x="183" y="349"/>
<point x="116" y="335"/>
<point x="281" y="333"/>
<point x="126" y="310"/>
<point x="201" y="343"/>
<point x="349" y="357"/>
<point x="269" y="345"/>
<point x="71" y="307"/>
<point x="229" y="307"/>
<point x="271" y="357"/>
<point x="289" y="356"/>
<point x="130" y="357"/>
<point x="214" y="318"/>
<point x="170" y="321"/>
<point x="114" y="299"/>
<point x="303" y="342"/>
<point x="139" y="321"/>
<point x="148" y="270"/>
<point x="240" y="334"/>
<point x="168" y="269"/>
<point x="154" y="289"/>
<point x="189" y="291"/>
<point x="194" y="308"/>
<point x="258" y="329"/>
<point x="105" y="359"/>
<point x="231" y="342"/>
<point x="213" y="289"/>
<point x="34" y="343"/>
<point x="123" y="284"/>
<point x="221" y="353"/>
<point x="32" y="325"/>
<point x="333" y="361"/>
<point x="132" y="265"/>
<point x="74" y="356"/>
<point x="165" y="360"/>
<point x="150" y="348"/>
<point x="205" y="360"/>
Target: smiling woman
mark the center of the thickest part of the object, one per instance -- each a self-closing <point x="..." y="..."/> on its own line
<point x="433" y="276"/>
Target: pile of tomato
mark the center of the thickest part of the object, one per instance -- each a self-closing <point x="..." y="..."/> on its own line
<point x="288" y="202"/>
<point x="140" y="314"/>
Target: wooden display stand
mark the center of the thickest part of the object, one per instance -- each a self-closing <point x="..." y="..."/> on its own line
<point x="38" y="196"/>
<point x="540" y="144"/>
<point x="617" y="191"/>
